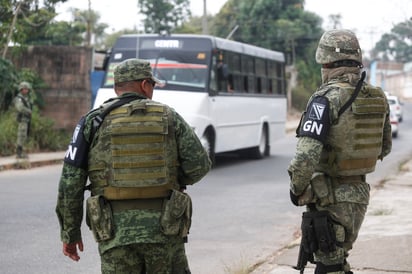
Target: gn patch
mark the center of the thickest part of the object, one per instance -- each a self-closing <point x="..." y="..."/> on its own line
<point x="77" y="152"/>
<point x="315" y="122"/>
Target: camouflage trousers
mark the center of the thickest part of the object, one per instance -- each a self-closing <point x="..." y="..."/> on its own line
<point x="146" y="258"/>
<point x="348" y="218"/>
<point x="22" y="133"/>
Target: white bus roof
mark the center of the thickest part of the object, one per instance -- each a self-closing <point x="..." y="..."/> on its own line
<point x="224" y="44"/>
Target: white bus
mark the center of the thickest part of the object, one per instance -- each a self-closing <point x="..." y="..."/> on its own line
<point x="232" y="94"/>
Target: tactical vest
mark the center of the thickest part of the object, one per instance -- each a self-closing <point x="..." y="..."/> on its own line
<point x="355" y="141"/>
<point x="134" y="153"/>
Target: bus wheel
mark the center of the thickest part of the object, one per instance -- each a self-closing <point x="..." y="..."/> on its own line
<point x="263" y="149"/>
<point x="208" y="143"/>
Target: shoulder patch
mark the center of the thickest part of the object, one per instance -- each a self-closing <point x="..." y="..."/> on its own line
<point x="77" y="152"/>
<point x="316" y="123"/>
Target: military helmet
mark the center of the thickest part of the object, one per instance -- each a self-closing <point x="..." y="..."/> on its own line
<point x="24" y="84"/>
<point x="335" y="45"/>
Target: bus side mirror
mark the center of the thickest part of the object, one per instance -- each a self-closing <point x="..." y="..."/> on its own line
<point x="106" y="60"/>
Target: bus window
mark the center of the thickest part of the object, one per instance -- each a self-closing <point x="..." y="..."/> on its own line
<point x="258" y="85"/>
<point x="223" y="72"/>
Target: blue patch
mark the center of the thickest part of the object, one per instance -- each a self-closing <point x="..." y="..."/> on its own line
<point x="78" y="150"/>
<point x="315" y="122"/>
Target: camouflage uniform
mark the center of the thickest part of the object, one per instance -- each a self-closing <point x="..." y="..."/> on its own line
<point x="318" y="175"/>
<point x="24" y="109"/>
<point x="139" y="244"/>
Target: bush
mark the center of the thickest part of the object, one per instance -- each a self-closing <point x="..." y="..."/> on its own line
<point x="8" y="134"/>
<point x="42" y="137"/>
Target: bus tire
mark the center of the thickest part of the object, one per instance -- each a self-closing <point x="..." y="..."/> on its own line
<point x="208" y="142"/>
<point x="263" y="149"/>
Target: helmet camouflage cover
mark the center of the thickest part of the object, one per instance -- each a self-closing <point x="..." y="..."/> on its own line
<point x="335" y="45"/>
<point x="24" y="85"/>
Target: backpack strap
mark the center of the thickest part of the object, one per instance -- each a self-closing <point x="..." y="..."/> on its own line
<point x="354" y="94"/>
<point x="98" y="119"/>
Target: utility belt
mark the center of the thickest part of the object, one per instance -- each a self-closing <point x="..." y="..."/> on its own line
<point x="175" y="218"/>
<point x="350" y="179"/>
<point x="121" y="205"/>
<point x="321" y="189"/>
<point x="131" y="193"/>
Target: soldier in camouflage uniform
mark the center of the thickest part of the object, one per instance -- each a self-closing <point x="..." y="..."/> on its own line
<point x="24" y="107"/>
<point x="139" y="157"/>
<point x="337" y="147"/>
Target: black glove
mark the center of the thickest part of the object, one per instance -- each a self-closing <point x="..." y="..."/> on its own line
<point x="294" y="198"/>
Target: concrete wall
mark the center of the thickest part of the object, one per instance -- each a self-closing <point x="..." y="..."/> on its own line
<point x="66" y="71"/>
<point x="395" y="78"/>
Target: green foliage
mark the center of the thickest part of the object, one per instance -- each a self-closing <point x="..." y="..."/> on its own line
<point x="36" y="82"/>
<point x="194" y="25"/>
<point x="22" y="22"/>
<point x="43" y="137"/>
<point x="164" y="15"/>
<point x="110" y="39"/>
<point x="8" y="134"/>
<point x="281" y="25"/>
<point x="287" y="27"/>
<point x="309" y="79"/>
<point x="395" y="45"/>
<point x="64" y="33"/>
<point x="8" y="81"/>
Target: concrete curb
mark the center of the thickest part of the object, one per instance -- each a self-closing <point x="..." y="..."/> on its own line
<point x="33" y="160"/>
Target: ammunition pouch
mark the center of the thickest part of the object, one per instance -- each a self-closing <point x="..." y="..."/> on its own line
<point x="318" y="232"/>
<point x="176" y="217"/>
<point x="99" y="218"/>
<point x="322" y="188"/>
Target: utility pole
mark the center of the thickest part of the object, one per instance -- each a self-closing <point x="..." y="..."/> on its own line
<point x="13" y="23"/>
<point x="204" y="19"/>
<point x="88" y="25"/>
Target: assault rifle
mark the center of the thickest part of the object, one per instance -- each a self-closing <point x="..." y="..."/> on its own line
<point x="303" y="259"/>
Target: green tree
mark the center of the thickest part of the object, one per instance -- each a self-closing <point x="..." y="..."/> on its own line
<point x="395" y="45"/>
<point x="80" y="31"/>
<point x="8" y="81"/>
<point x="281" y="25"/>
<point x="89" y="20"/>
<point x="22" y="20"/>
<point x="164" y="15"/>
<point x="193" y="25"/>
<point x="64" y="33"/>
<point x="287" y="27"/>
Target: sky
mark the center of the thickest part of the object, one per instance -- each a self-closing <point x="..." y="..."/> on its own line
<point x="126" y="15"/>
<point x="369" y="19"/>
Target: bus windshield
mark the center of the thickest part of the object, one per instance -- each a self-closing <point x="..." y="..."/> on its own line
<point x="178" y="70"/>
<point x="182" y="65"/>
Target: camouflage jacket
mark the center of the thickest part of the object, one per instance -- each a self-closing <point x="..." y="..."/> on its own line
<point x="23" y="107"/>
<point x="309" y="150"/>
<point x="132" y="226"/>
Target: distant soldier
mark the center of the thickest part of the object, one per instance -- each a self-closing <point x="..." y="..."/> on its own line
<point x="343" y="132"/>
<point x="24" y="108"/>
<point x="139" y="155"/>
